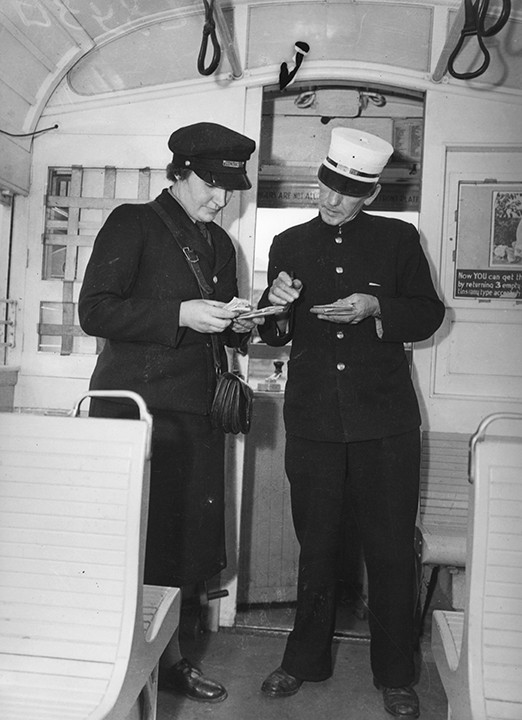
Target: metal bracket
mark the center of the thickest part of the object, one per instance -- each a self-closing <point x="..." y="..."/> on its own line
<point x="8" y="322"/>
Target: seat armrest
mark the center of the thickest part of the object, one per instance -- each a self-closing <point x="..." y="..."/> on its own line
<point x="157" y="603"/>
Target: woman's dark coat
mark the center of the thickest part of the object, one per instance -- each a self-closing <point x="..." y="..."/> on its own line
<point x="134" y="283"/>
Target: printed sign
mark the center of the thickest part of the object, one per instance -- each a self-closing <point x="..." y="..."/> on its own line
<point x="489" y="283"/>
<point x="489" y="241"/>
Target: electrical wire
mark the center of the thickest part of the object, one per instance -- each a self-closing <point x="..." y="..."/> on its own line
<point x="31" y="134"/>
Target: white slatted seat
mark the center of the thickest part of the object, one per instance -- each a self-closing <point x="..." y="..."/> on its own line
<point x="443" y="507"/>
<point x="478" y="651"/>
<point x="80" y="636"/>
<point x="444" y="498"/>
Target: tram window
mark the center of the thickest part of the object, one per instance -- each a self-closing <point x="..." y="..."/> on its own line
<point x="56" y="222"/>
<point x="270" y="222"/>
<point x="77" y="202"/>
<point x="50" y="321"/>
<point x="59" y="330"/>
<point x="53" y="262"/>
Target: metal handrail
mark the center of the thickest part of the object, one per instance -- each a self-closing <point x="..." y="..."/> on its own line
<point x="144" y="414"/>
<point x="480" y="433"/>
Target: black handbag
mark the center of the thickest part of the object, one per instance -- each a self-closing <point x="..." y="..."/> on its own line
<point x="232" y="405"/>
<point x="231" y="408"/>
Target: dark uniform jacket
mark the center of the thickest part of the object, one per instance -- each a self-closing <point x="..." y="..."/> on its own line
<point x="344" y="382"/>
<point x="134" y="283"/>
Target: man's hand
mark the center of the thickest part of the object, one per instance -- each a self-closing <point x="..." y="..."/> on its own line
<point x="352" y="309"/>
<point x="284" y="290"/>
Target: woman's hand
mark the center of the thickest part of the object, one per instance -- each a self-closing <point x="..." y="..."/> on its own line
<point x="205" y="316"/>
<point x="241" y="325"/>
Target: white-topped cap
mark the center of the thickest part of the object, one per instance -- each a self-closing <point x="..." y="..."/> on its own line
<point x="357" y="156"/>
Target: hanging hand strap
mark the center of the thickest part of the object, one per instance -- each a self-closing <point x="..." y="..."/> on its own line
<point x="209" y="29"/>
<point x="475" y="16"/>
<point x="193" y="263"/>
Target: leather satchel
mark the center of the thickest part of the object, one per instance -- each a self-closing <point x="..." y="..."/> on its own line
<point x="231" y="408"/>
<point x="232" y="405"/>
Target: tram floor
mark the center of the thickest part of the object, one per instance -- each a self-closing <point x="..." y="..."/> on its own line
<point x="242" y="656"/>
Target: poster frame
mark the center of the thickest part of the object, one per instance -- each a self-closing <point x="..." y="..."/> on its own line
<point x="488" y="253"/>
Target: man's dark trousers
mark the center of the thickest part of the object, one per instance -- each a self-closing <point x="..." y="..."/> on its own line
<point x="377" y="482"/>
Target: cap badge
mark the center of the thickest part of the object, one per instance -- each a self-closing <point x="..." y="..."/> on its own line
<point x="233" y="163"/>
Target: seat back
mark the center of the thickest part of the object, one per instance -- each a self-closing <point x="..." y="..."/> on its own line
<point x="72" y="526"/>
<point x="444" y="479"/>
<point x="493" y="629"/>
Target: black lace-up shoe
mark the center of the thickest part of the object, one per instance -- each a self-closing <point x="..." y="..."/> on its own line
<point x="401" y="702"/>
<point x="186" y="679"/>
<point x="280" y="684"/>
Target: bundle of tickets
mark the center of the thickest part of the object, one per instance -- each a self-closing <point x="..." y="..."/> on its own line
<point x="246" y="312"/>
<point x="239" y="305"/>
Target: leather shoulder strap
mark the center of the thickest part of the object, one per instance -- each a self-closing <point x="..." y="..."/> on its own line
<point x="190" y="254"/>
<point x="193" y="262"/>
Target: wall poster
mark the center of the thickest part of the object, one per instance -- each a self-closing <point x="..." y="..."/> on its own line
<point x="488" y="261"/>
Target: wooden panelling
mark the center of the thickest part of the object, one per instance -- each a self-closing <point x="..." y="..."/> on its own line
<point x="46" y="28"/>
<point x="24" y="72"/>
<point x="268" y="546"/>
<point x="479" y="355"/>
<point x="16" y="164"/>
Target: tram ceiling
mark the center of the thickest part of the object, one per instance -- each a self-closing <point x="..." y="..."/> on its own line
<point x="93" y="46"/>
<point x="42" y="40"/>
